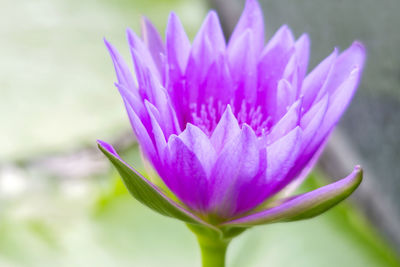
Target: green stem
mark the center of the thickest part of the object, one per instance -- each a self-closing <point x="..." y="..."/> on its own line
<point x="213" y="251"/>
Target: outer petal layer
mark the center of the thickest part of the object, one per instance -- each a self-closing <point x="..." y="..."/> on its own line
<point x="146" y="192"/>
<point x="306" y="205"/>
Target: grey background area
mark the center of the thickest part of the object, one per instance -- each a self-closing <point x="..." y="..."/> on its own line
<point x="369" y="132"/>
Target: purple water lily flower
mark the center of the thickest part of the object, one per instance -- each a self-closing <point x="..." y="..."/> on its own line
<point x="230" y="125"/>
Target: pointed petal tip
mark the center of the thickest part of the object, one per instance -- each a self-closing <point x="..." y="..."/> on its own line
<point x="359" y="45"/>
<point x="111" y="49"/>
<point x="104" y="146"/>
<point x="253" y="4"/>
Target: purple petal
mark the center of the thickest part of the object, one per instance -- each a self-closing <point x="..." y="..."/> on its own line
<point x="283" y="40"/>
<point x="242" y="61"/>
<point x="227" y="129"/>
<point x="339" y="101"/>
<point x="185" y="175"/>
<point x="177" y="45"/>
<point x="218" y="76"/>
<point x="271" y="67"/>
<point x="304" y="206"/>
<point x="312" y="120"/>
<point x="133" y="100"/>
<point x="302" y="52"/>
<point x="251" y="19"/>
<point x="237" y="165"/>
<point x="352" y="58"/>
<point x="282" y="154"/>
<point x="142" y="135"/>
<point x="155" y="45"/>
<point x="316" y="79"/>
<point x="158" y="134"/>
<point x="286" y="96"/>
<point x="207" y="45"/>
<point x="178" y="50"/>
<point x="211" y="29"/>
<point x="146" y="192"/>
<point x="305" y="171"/>
<point x="286" y="123"/>
<point x="199" y="143"/>
<point x="122" y="70"/>
<point x="136" y="44"/>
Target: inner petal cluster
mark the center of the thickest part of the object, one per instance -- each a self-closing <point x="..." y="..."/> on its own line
<point x="207" y="115"/>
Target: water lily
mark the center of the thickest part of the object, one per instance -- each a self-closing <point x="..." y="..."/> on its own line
<point x="231" y="128"/>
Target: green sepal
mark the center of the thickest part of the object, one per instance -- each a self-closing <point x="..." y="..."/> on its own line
<point x="149" y="194"/>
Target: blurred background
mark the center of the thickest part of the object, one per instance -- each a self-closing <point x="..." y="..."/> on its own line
<point x="61" y="203"/>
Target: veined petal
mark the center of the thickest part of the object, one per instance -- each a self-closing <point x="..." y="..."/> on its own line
<point x="306" y="205"/>
<point x="155" y="45"/>
<point x="227" y="129"/>
<point x="286" y="123"/>
<point x="282" y="154"/>
<point x="302" y="52"/>
<point x="122" y="70"/>
<point x="312" y="120"/>
<point x="133" y="100"/>
<point x="158" y="135"/>
<point x="338" y="103"/>
<point x="198" y="142"/>
<point x="242" y="61"/>
<point x="352" y="58"/>
<point x="211" y="28"/>
<point x="283" y="39"/>
<point x="146" y="192"/>
<point x="286" y="96"/>
<point x="136" y="44"/>
<point x="271" y="67"/>
<point x="142" y="134"/>
<point x="316" y="79"/>
<point x="237" y="165"/>
<point x="219" y="83"/>
<point x="305" y="171"/>
<point x="177" y="45"/>
<point x="185" y="175"/>
<point x="251" y="19"/>
<point x="207" y="45"/>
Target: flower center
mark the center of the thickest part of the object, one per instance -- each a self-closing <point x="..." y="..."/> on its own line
<point x="207" y="115"/>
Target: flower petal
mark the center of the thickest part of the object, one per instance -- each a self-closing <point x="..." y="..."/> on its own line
<point x="286" y="96"/>
<point x="142" y="134"/>
<point x="207" y="45"/>
<point x="302" y="52"/>
<point x="122" y="70"/>
<point x="146" y="192"/>
<point x="158" y="134"/>
<point x="306" y="205"/>
<point x="177" y="45"/>
<point x="272" y="65"/>
<point x="136" y="44"/>
<point x="338" y="103"/>
<point x="350" y="59"/>
<point x="198" y="142"/>
<point x="185" y="175"/>
<point x="237" y="165"/>
<point x="281" y="156"/>
<point x="226" y="129"/>
<point x="154" y="44"/>
<point x="251" y="19"/>
<point x="211" y="28"/>
<point x="316" y="79"/>
<point x="242" y="61"/>
<point x="286" y="123"/>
